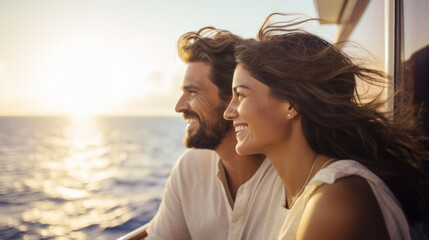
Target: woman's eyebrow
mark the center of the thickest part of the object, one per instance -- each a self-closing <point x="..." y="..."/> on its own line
<point x="240" y="86"/>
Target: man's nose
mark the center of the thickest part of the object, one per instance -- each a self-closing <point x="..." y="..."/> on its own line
<point x="182" y="105"/>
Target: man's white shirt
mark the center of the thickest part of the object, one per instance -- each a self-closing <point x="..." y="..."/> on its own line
<point x="197" y="203"/>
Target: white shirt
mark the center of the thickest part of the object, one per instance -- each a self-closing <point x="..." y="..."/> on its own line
<point x="197" y="203"/>
<point x="394" y="217"/>
<point x="277" y="212"/>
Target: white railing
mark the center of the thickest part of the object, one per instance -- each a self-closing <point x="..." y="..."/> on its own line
<point x="138" y="234"/>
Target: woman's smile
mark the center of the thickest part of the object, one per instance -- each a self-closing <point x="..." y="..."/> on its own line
<point x="241" y="131"/>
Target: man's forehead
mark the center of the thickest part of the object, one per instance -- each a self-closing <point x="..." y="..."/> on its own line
<point x="196" y="75"/>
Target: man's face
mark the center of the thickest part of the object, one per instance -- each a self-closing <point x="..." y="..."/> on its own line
<point x="202" y="108"/>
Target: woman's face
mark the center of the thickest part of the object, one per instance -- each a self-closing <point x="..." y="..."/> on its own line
<point x="260" y="119"/>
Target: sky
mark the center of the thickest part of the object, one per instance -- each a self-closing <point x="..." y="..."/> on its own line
<point x="109" y="57"/>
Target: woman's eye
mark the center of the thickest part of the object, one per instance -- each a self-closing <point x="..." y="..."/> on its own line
<point x="240" y="96"/>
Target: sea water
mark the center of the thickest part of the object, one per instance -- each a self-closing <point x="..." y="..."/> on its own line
<point x="83" y="178"/>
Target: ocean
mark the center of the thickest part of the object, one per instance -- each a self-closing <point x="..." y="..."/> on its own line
<point x="83" y="178"/>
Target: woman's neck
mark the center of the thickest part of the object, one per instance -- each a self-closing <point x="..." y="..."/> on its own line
<point x="294" y="160"/>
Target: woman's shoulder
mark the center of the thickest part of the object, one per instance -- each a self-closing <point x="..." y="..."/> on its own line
<point x="346" y="194"/>
<point x="341" y="168"/>
<point x="345" y="207"/>
<point x="346" y="168"/>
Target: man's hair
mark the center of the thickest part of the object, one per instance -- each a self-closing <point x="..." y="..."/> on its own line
<point x="215" y="47"/>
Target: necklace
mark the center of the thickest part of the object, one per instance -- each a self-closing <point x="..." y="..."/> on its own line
<point x="305" y="183"/>
<point x="330" y="160"/>
<point x="308" y="177"/>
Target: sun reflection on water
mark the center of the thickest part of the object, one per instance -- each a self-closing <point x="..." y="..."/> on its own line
<point x="83" y="178"/>
<point x="88" y="153"/>
<point x="80" y="173"/>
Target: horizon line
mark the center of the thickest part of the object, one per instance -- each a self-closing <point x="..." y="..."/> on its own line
<point x="90" y="115"/>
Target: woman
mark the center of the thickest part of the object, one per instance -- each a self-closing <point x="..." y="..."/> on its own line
<point x="348" y="171"/>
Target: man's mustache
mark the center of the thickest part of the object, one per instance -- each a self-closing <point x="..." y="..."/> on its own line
<point x="188" y="114"/>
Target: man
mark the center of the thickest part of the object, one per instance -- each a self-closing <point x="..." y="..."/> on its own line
<point x="212" y="192"/>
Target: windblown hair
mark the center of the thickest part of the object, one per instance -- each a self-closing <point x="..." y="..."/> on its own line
<point x="215" y="47"/>
<point x="320" y="81"/>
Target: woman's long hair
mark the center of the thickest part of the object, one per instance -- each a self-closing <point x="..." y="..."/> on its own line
<point x="320" y="81"/>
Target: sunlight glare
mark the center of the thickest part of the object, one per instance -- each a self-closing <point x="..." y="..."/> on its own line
<point x="88" y="78"/>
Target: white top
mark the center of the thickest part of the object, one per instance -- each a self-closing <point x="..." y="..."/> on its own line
<point x="197" y="203"/>
<point x="396" y="222"/>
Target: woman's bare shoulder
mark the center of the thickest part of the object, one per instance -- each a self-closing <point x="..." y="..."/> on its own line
<point x="346" y="209"/>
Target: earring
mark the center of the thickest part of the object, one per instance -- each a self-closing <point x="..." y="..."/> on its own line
<point x="289" y="115"/>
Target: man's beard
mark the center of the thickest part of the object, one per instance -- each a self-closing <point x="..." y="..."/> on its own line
<point x="209" y="133"/>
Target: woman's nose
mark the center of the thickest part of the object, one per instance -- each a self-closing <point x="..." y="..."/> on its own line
<point x="230" y="112"/>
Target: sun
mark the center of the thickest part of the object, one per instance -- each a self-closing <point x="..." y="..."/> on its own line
<point x="88" y="78"/>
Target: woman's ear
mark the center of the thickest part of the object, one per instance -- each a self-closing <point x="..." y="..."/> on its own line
<point x="291" y="111"/>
